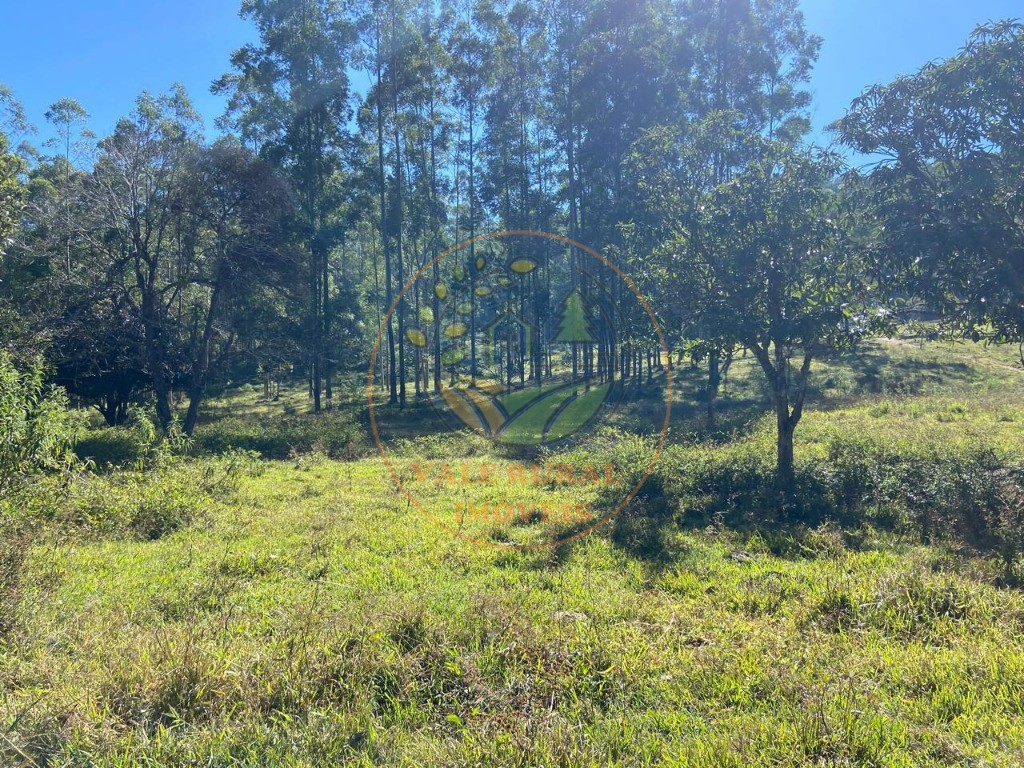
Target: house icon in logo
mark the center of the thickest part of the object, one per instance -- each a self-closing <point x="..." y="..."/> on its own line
<point x="507" y="325"/>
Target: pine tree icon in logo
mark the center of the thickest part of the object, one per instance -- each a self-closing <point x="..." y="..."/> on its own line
<point x="575" y="326"/>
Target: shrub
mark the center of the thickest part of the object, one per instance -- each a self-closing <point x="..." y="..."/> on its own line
<point x="964" y="490"/>
<point x="138" y="443"/>
<point x="1005" y="520"/>
<point x="108" y="447"/>
<point x="36" y="427"/>
<point x="13" y="548"/>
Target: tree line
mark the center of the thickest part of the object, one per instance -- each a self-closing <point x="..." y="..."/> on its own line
<point x="362" y="139"/>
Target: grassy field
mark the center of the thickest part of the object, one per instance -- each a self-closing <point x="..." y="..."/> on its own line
<point x="294" y="610"/>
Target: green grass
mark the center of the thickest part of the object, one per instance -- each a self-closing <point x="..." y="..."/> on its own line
<point x="306" y="615"/>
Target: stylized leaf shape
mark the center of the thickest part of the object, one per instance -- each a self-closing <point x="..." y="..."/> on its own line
<point x="523" y="266"/>
<point x="461" y="407"/>
<point x="416" y="337"/>
<point x="577" y="413"/>
<point x="554" y="414"/>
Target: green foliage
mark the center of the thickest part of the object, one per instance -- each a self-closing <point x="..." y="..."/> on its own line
<point x="12" y="193"/>
<point x="110" y="447"/>
<point x="334" y="434"/>
<point x="138" y="443"/>
<point x="14" y="546"/>
<point x="946" y="194"/>
<point x="36" y="427"/>
<point x="150" y="502"/>
<point x="284" y="611"/>
<point x="964" y="491"/>
<point x="264" y="603"/>
<point x="302" y="624"/>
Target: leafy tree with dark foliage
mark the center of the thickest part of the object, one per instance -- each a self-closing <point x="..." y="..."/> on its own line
<point x="772" y="264"/>
<point x="947" y="191"/>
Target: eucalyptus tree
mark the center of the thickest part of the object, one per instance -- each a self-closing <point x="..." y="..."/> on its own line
<point x="11" y="193"/>
<point x="12" y="201"/>
<point x="469" y="72"/>
<point x="290" y="96"/>
<point x="753" y="58"/>
<point x="371" y="57"/>
<point x="390" y="43"/>
<point x="513" y="158"/>
<point x="429" y="141"/>
<point x="68" y="118"/>
<point x="11" y="166"/>
<point x="948" y="151"/>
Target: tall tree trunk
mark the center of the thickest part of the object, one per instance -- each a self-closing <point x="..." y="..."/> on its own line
<point x="399" y="254"/>
<point x="155" y="358"/>
<point x="201" y="364"/>
<point x="472" y="245"/>
<point x="714" y="380"/>
<point x="385" y="238"/>
<point x="315" y="320"/>
<point x="784" y="471"/>
<point x="433" y="255"/>
<point x="325" y="309"/>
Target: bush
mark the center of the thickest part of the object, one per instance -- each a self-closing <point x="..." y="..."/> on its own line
<point x="964" y="491"/>
<point x="110" y="447"/>
<point x="138" y="443"/>
<point x="13" y="548"/>
<point x="36" y="428"/>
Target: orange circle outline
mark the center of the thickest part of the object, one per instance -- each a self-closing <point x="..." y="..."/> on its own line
<point x="668" y="398"/>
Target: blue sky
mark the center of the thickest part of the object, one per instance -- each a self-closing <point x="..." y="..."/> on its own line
<point x="105" y="52"/>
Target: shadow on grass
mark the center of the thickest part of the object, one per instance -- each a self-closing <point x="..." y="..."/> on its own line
<point x="837" y="381"/>
<point x="872" y="369"/>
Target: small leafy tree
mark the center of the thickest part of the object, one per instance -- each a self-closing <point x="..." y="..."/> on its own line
<point x="767" y="261"/>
